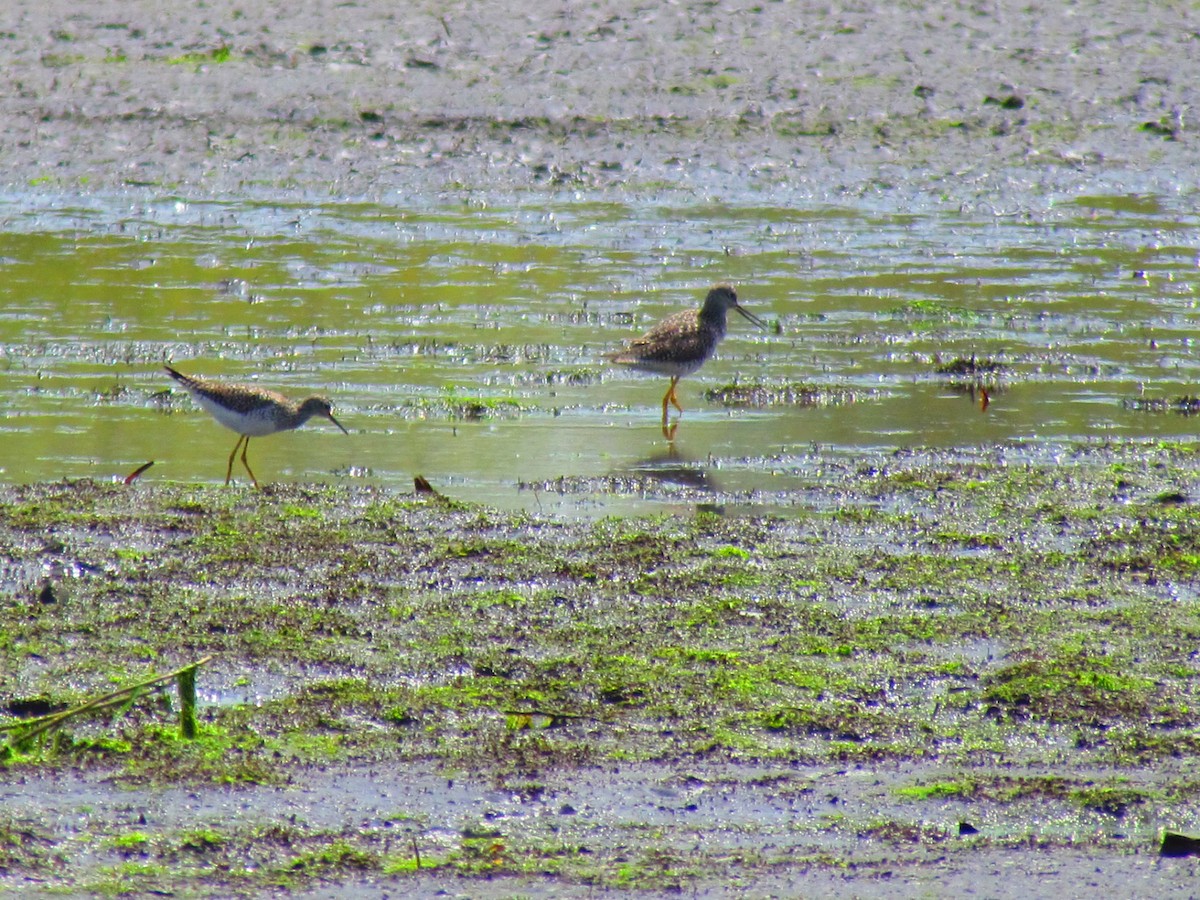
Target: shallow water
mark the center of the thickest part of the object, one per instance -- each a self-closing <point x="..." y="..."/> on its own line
<point x="462" y="339"/>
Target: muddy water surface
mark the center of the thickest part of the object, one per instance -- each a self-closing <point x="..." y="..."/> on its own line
<point x="461" y="338"/>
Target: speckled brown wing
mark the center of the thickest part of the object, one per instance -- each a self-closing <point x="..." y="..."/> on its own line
<point x="239" y="397"/>
<point x="676" y="346"/>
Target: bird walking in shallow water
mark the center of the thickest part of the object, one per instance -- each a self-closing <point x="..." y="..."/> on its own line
<point x="251" y="411"/>
<point x="681" y="343"/>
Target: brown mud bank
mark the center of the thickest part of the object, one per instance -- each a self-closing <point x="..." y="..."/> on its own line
<point x="937" y="671"/>
<point x="990" y="103"/>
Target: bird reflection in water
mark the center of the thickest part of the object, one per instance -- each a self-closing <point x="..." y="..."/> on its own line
<point x="672" y="467"/>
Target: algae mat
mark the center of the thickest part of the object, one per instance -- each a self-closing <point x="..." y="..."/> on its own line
<point x="937" y="672"/>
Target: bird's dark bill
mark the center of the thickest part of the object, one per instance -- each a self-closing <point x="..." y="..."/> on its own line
<point x="751" y="316"/>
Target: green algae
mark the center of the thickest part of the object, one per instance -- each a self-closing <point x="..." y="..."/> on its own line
<point x="389" y="629"/>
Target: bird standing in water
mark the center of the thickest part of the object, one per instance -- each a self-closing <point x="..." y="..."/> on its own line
<point x="251" y="411"/>
<point x="681" y="343"/>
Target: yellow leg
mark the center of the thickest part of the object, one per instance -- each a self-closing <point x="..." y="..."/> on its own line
<point x="669" y="397"/>
<point x="246" y="447"/>
<point x="229" y="468"/>
<point x="674" y="399"/>
<point x="669" y="431"/>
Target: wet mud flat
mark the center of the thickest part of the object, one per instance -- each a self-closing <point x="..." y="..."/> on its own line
<point x="935" y="672"/>
<point x="993" y="105"/>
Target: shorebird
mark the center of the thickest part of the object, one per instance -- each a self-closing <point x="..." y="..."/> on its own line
<point x="251" y="411"/>
<point x="681" y="343"/>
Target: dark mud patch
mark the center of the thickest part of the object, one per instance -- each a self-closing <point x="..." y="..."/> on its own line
<point x="972" y="368"/>
<point x="935" y="667"/>
<point x="1186" y="405"/>
<point x="761" y="395"/>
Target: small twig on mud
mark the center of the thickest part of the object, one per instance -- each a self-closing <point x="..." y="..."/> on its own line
<point x="133" y="476"/>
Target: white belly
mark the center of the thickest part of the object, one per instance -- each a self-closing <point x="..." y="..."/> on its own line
<point x="255" y="424"/>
